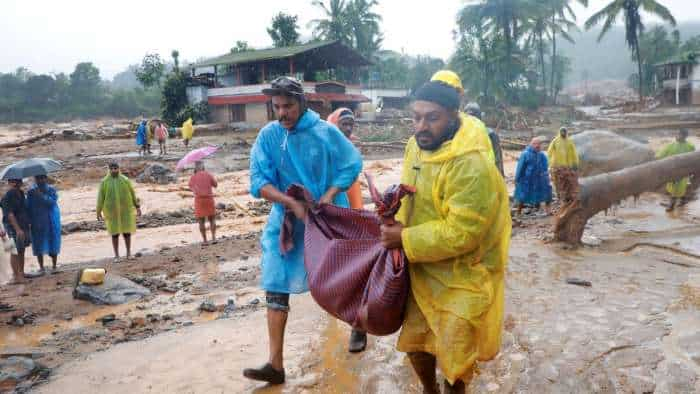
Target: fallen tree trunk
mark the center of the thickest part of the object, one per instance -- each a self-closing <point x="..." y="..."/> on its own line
<point x="601" y="192"/>
<point x="26" y="141"/>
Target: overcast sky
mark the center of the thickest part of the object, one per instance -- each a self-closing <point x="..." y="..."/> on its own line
<point x="52" y="35"/>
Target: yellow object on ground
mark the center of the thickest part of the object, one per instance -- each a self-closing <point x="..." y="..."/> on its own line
<point x="93" y="276"/>
<point x="187" y="129"/>
<point x="117" y="202"/>
<point x="562" y="153"/>
<point x="456" y="238"/>
<point x="679" y="188"/>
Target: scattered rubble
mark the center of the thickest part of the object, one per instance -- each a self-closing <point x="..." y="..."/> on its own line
<point x="115" y="290"/>
<point x="157" y="173"/>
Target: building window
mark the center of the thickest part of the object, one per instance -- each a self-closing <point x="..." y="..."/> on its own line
<point x="236" y="112"/>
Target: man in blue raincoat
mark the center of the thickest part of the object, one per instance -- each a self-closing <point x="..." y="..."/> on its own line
<point x="142" y="138"/>
<point x="532" y="185"/>
<point x="45" y="219"/>
<point x="299" y="148"/>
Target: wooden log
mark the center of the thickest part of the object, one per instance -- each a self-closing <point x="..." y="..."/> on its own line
<point x="26" y="141"/>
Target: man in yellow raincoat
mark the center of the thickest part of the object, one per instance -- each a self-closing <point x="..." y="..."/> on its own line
<point x="563" y="162"/>
<point x="187" y="132"/>
<point x="455" y="231"/>
<point x="478" y="136"/>
<point x="118" y="206"/>
<point x="677" y="189"/>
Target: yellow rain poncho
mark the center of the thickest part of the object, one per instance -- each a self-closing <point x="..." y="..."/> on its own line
<point x="679" y="188"/>
<point x="117" y="202"/>
<point x="187" y="129"/>
<point x="562" y="153"/>
<point x="476" y="135"/>
<point x="456" y="238"/>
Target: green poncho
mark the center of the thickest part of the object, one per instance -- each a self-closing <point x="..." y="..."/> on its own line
<point x="677" y="189"/>
<point x="117" y="202"/>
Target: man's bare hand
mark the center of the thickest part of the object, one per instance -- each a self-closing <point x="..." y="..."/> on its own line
<point x="391" y="236"/>
<point x="329" y="196"/>
<point x="99" y="217"/>
<point x="298" y="208"/>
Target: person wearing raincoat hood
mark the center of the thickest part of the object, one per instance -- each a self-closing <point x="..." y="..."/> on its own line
<point x="187" y="132"/>
<point x="298" y="148"/>
<point x="141" y="138"/>
<point x="481" y="135"/>
<point x="455" y="231"/>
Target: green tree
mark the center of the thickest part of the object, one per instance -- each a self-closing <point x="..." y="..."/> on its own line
<point x="284" y="30"/>
<point x="334" y="25"/>
<point x="175" y="54"/>
<point x="365" y="26"/>
<point x="656" y="45"/>
<point x="40" y="91"/>
<point x="562" y="20"/>
<point x="241" y="46"/>
<point x="423" y="68"/>
<point x="173" y="97"/>
<point x="150" y="72"/>
<point x="631" y="10"/>
<point x="86" y="92"/>
<point x="690" y="45"/>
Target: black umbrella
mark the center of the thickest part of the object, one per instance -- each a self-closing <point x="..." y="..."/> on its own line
<point x="29" y="168"/>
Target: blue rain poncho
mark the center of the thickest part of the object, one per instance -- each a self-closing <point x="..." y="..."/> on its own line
<point x="45" y="218"/>
<point x="315" y="155"/>
<point x="141" y="138"/>
<point x="532" y="185"/>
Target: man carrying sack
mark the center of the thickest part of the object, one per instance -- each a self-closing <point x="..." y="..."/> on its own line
<point x="455" y="231"/>
<point x="300" y="149"/>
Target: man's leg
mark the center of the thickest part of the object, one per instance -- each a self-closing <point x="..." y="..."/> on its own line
<point x="40" y="260"/>
<point x="277" y="311"/>
<point x="424" y="364"/>
<point x="458" y="388"/>
<point x="20" y="255"/>
<point x="115" y="245"/>
<point x="203" y="228"/>
<point x="54" y="261"/>
<point x="127" y="242"/>
<point x="672" y="204"/>
<point x="212" y="227"/>
<point x="17" y="273"/>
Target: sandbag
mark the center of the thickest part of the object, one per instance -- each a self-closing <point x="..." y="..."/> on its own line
<point x="351" y="275"/>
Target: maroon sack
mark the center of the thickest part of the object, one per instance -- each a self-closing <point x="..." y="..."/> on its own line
<point x="351" y="275"/>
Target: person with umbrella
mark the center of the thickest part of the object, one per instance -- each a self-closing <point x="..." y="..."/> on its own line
<point x="118" y="206"/>
<point x="15" y="219"/>
<point x="45" y="220"/>
<point x="201" y="184"/>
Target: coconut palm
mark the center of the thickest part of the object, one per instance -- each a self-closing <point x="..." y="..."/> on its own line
<point x="364" y="24"/>
<point x="335" y="25"/>
<point x="631" y="10"/>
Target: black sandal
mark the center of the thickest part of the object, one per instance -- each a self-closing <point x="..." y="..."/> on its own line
<point x="266" y="373"/>
<point x="358" y="341"/>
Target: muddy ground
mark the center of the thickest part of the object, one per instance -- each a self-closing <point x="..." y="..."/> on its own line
<point x="633" y="330"/>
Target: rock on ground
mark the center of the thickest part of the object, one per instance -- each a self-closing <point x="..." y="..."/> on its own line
<point x="115" y="290"/>
<point x="603" y="151"/>
<point x="15" y="370"/>
<point x="157" y="173"/>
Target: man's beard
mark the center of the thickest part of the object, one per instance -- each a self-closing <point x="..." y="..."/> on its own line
<point x="437" y="142"/>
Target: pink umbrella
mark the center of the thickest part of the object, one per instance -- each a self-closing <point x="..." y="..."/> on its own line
<point x="196" y="155"/>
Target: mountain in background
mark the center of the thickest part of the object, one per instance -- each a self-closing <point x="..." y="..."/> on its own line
<point x="610" y="58"/>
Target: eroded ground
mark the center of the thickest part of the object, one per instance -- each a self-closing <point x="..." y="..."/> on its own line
<point x="635" y="329"/>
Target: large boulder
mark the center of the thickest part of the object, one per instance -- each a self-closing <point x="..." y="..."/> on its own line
<point x="157" y="173"/>
<point x="114" y="291"/>
<point x="16" y="370"/>
<point x="602" y="151"/>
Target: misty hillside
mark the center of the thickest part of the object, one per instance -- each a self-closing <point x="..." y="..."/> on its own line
<point x="609" y="59"/>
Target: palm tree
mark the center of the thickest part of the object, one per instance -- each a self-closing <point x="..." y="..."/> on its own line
<point x="560" y="25"/>
<point x="335" y="25"/>
<point x="364" y="24"/>
<point x="633" y="24"/>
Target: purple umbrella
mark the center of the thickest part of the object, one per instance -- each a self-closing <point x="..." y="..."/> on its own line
<point x="196" y="155"/>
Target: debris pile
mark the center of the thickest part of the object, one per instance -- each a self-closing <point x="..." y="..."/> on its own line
<point x="157" y="173"/>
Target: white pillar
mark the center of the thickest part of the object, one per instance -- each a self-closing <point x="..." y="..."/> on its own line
<point x="678" y="85"/>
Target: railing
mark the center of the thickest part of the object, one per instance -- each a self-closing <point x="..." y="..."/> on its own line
<point x="309" y="87"/>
